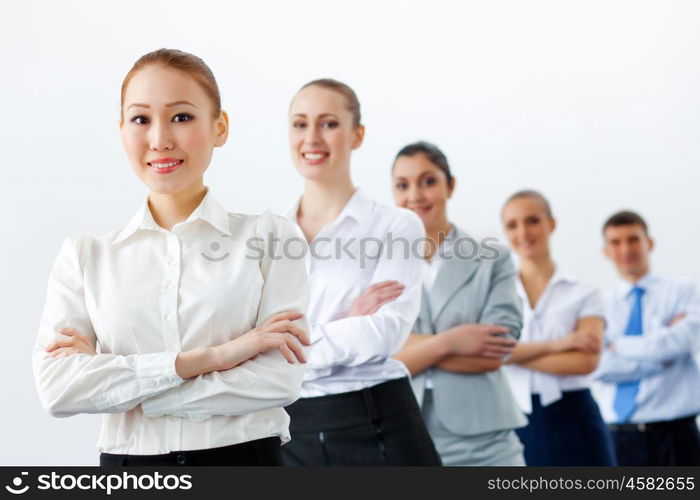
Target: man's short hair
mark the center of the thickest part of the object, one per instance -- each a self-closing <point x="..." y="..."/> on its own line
<point x="625" y="218"/>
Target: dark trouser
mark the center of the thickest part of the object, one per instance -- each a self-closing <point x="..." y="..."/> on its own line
<point x="259" y="452"/>
<point x="568" y="432"/>
<point x="381" y="425"/>
<point x="673" y="442"/>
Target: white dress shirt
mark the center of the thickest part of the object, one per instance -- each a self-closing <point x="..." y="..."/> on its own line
<point x="662" y="357"/>
<point x="143" y="294"/>
<point x="431" y="268"/>
<point x="353" y="353"/>
<point x="562" y="304"/>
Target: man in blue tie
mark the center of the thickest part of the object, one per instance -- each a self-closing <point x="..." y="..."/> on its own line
<point x="648" y="378"/>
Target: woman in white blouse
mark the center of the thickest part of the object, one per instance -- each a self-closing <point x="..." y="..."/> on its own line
<point x="560" y="345"/>
<point x="189" y="343"/>
<point x="357" y="406"/>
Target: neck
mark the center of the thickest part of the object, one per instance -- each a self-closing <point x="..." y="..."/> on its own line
<point x="537" y="268"/>
<point x="634" y="277"/>
<point x="169" y="209"/>
<point x="437" y="233"/>
<point x="325" y="201"/>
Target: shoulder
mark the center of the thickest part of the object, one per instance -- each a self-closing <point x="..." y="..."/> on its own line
<point x="488" y="250"/>
<point x="395" y="217"/>
<point x="269" y="224"/>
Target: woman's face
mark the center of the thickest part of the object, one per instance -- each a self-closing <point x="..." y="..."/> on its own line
<point x="322" y="134"/>
<point x="527" y="227"/>
<point x="421" y="186"/>
<point x="168" y="130"/>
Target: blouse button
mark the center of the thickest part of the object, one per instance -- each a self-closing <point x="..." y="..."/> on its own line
<point x="169" y="317"/>
<point x="181" y="459"/>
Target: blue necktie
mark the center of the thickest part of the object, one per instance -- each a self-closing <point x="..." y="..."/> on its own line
<point x="626" y="394"/>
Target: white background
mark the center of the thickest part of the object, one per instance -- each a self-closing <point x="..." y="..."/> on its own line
<point x="595" y="103"/>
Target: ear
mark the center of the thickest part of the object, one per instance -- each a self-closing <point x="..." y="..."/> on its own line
<point x="451" y="188"/>
<point x="553" y="224"/>
<point x="359" y="137"/>
<point x="121" y="122"/>
<point x="221" y="127"/>
<point x="651" y="243"/>
<point x="606" y="251"/>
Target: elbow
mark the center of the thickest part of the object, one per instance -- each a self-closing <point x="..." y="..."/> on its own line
<point x="588" y="365"/>
<point x="291" y="391"/>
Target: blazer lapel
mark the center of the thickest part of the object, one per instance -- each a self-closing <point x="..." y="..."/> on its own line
<point x="453" y="274"/>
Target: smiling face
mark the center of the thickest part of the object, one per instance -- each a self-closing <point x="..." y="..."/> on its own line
<point x="168" y="129"/>
<point x="528" y="227"/>
<point x="322" y="134"/>
<point x="419" y="185"/>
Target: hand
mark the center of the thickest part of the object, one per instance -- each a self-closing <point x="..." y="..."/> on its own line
<point x="577" y="341"/>
<point x="678" y="317"/>
<point x="475" y="339"/>
<point x="76" y="343"/>
<point x="277" y="332"/>
<point x="375" y="297"/>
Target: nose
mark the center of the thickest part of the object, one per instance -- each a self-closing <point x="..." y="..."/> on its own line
<point x="312" y="137"/>
<point x="159" y="137"/>
<point x="414" y="193"/>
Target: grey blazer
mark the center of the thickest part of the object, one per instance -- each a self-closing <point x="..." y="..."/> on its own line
<point x="480" y="290"/>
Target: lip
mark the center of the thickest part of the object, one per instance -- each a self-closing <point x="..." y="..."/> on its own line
<point x="421" y="209"/>
<point x="165" y="170"/>
<point x="317" y="161"/>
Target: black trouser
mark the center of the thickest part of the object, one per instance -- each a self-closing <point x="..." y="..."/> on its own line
<point x="259" y="452"/>
<point x="673" y="442"/>
<point x="381" y="425"/>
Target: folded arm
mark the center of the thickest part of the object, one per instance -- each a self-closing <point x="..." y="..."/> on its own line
<point x="356" y="340"/>
<point x="81" y="383"/>
<point x="265" y="381"/>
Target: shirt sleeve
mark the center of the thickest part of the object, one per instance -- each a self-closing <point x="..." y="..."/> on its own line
<point x="592" y="304"/>
<point x="357" y="340"/>
<point x="669" y="342"/>
<point x="81" y="383"/>
<point x="613" y="368"/>
<point x="267" y="380"/>
<point x="503" y="306"/>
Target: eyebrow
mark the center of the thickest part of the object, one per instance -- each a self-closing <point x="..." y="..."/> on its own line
<point x="324" y="115"/>
<point x="169" y="105"/>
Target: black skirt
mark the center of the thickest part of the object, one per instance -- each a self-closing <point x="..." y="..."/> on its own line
<point x="381" y="425"/>
<point x="260" y="452"/>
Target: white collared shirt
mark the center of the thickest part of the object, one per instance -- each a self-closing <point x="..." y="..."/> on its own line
<point x="662" y="357"/>
<point x="431" y="268"/>
<point x="142" y="295"/>
<point x="353" y="353"/>
<point x="562" y="304"/>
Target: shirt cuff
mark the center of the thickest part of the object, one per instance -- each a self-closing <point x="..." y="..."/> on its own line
<point x="153" y="373"/>
<point x="326" y="352"/>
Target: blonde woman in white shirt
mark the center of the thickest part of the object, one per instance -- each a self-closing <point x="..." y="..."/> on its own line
<point x="189" y="343"/>
<point x="357" y="406"/>
<point x="559" y="347"/>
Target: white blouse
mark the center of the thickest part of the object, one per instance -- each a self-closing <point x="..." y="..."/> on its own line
<point x="367" y="243"/>
<point x="143" y="294"/>
<point x="563" y="303"/>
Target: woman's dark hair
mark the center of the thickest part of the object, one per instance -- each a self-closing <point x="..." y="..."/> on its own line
<point x="431" y="152"/>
